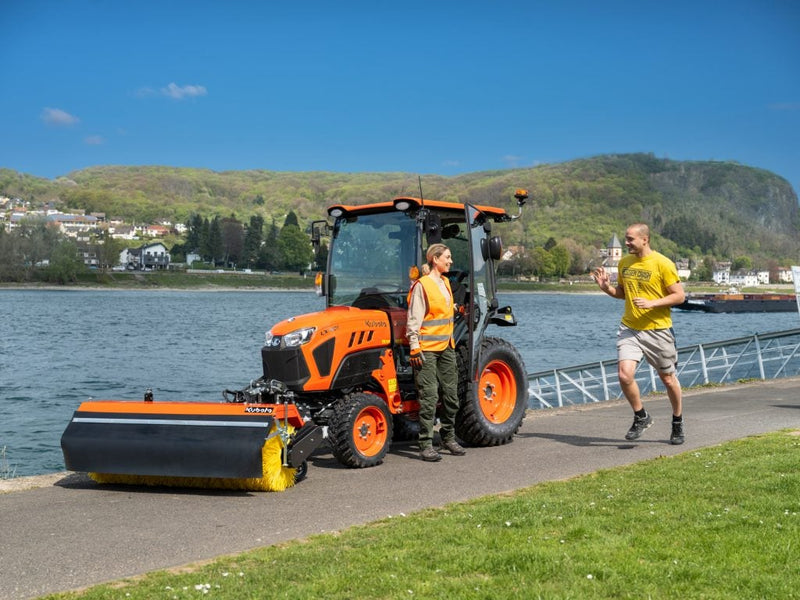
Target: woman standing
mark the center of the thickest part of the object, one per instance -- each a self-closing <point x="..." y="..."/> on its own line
<point x="430" y="334"/>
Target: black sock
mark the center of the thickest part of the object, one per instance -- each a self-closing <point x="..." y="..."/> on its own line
<point x="641" y="413"/>
<point x="678" y="419"/>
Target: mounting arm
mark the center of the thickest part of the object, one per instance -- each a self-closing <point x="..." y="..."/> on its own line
<point x="521" y="196"/>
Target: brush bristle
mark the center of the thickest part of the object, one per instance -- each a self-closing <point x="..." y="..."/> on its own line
<point x="275" y="477"/>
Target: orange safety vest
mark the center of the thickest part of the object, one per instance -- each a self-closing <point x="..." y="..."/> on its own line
<point x="436" y="332"/>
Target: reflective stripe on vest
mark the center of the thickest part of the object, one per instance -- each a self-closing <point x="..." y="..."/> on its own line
<point x="436" y="332"/>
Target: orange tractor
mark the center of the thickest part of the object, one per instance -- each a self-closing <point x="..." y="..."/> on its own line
<point x="342" y="373"/>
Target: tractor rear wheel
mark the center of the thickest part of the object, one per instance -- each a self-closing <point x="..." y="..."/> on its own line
<point x="360" y="430"/>
<point x="493" y="408"/>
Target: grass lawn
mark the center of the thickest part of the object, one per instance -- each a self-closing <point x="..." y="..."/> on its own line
<point x="718" y="523"/>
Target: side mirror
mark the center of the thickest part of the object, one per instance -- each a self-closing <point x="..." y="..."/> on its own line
<point x="433" y="228"/>
<point x="318" y="230"/>
<point x="495" y="247"/>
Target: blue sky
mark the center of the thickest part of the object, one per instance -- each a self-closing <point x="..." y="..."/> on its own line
<point x="419" y="87"/>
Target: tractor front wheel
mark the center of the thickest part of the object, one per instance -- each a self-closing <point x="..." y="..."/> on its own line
<point x="360" y="430"/>
<point x="492" y="408"/>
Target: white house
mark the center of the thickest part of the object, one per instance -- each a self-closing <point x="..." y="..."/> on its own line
<point x="722" y="273"/>
<point x="785" y="275"/>
<point x="145" y="258"/>
<point x="744" y="279"/>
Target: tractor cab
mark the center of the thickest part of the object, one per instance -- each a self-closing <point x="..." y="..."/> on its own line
<point x="378" y="250"/>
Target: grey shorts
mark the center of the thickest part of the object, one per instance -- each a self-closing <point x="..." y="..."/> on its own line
<point x="656" y="345"/>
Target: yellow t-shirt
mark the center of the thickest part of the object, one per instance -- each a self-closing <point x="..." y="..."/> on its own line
<point x="649" y="278"/>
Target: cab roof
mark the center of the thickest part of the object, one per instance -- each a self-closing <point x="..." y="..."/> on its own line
<point x="498" y="214"/>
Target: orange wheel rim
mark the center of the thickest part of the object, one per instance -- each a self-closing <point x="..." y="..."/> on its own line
<point x="370" y="431"/>
<point x="497" y="392"/>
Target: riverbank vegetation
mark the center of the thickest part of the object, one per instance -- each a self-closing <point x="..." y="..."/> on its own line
<point x="703" y="212"/>
<point x="218" y="279"/>
<point x="695" y="525"/>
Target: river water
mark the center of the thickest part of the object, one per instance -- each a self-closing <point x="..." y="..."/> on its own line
<point x="58" y="348"/>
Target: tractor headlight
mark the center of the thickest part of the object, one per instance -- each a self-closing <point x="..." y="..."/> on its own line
<point x="289" y="340"/>
<point x="271" y="340"/>
<point x="299" y="337"/>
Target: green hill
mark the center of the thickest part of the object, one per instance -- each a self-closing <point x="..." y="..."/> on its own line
<point x="694" y="208"/>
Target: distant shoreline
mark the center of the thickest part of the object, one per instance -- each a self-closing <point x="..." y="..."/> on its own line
<point x="510" y="288"/>
<point x="238" y="281"/>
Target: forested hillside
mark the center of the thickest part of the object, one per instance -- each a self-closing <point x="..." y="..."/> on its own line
<point x="696" y="209"/>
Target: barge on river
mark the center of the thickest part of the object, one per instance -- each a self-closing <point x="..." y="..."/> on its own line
<point x="735" y="303"/>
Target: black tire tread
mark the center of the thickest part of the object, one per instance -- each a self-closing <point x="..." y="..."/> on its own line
<point x="340" y="430"/>
<point x="471" y="425"/>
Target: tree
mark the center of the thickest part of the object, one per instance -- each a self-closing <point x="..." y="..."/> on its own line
<point x="253" y="237"/>
<point x="561" y="260"/>
<point x="65" y="263"/>
<point x="194" y="233"/>
<point x="178" y="253"/>
<point x="11" y="263"/>
<point x="742" y="262"/>
<point x="232" y="234"/>
<point x="582" y="258"/>
<point x="294" y="248"/>
<point x="213" y="249"/>
<point x="36" y="242"/>
<point x="542" y="262"/>
<point x="291" y="219"/>
<point x="268" y="255"/>
<point x="107" y="249"/>
<point x="704" y="270"/>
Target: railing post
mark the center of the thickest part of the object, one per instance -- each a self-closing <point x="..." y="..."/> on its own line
<point x="604" y="379"/>
<point x="558" y="387"/>
<point x="759" y="357"/>
<point x="703" y="366"/>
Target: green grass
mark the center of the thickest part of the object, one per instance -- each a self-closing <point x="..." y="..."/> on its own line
<point x="717" y="523"/>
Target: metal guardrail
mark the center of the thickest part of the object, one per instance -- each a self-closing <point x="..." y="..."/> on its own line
<point x="760" y="356"/>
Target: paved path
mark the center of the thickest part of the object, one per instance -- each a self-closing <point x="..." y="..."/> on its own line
<point x="72" y="533"/>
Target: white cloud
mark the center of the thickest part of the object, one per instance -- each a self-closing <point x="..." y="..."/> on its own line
<point x="58" y="117"/>
<point x="451" y="163"/>
<point x="94" y="140"/>
<point x="179" y="92"/>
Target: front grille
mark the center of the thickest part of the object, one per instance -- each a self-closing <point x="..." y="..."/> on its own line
<point x="285" y="365"/>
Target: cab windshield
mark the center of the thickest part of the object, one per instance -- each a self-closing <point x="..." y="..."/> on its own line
<point x="369" y="260"/>
<point x="371" y="254"/>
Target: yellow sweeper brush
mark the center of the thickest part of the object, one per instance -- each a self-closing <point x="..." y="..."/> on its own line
<point x="189" y="444"/>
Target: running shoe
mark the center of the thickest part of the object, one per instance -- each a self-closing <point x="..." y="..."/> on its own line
<point x="638" y="427"/>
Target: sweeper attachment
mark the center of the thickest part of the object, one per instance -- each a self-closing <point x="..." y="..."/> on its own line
<point x="343" y="371"/>
<point x="190" y="444"/>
